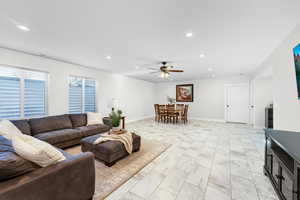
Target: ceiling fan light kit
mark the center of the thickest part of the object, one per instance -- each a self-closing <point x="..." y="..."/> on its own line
<point x="166" y="70"/>
<point x="164" y="74"/>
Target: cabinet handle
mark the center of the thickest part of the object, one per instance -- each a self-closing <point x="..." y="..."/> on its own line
<point x="280" y="177"/>
<point x="296" y="192"/>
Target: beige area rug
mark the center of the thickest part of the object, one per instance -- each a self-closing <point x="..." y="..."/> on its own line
<point x="108" y="179"/>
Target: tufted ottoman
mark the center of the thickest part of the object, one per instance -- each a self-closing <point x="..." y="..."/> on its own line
<point x="110" y="151"/>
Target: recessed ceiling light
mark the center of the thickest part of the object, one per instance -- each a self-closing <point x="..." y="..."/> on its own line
<point x="23" y="28"/>
<point x="108" y="57"/>
<point x="189" y="34"/>
<point x="137" y="67"/>
<point x="202" y="55"/>
<point x="210" y="69"/>
<point x="213" y="75"/>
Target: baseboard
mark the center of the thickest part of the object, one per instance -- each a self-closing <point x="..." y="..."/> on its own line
<point x="141" y="118"/>
<point x="258" y="127"/>
<point x="208" y="119"/>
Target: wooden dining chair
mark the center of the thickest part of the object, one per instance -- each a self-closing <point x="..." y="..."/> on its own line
<point x="184" y="117"/>
<point x="156" y="118"/>
<point x="180" y="110"/>
<point x="180" y="107"/>
<point x="162" y="112"/>
<point x="172" y="115"/>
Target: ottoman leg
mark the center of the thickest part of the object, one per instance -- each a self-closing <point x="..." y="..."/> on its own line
<point x="110" y="164"/>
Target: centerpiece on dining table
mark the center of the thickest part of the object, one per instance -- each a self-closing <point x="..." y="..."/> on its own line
<point x="171" y="100"/>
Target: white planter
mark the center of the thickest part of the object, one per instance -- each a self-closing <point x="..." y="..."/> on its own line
<point x="116" y="128"/>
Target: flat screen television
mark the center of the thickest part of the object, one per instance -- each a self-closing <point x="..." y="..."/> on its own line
<point x="296" y="51"/>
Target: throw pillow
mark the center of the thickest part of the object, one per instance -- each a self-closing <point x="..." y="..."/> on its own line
<point x="94" y="118"/>
<point x="36" y="151"/>
<point x="11" y="164"/>
<point x="8" y="129"/>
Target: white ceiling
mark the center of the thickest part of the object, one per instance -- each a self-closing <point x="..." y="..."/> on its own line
<point x="235" y="35"/>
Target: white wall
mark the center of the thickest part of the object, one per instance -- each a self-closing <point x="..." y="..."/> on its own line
<point x="263" y="97"/>
<point x="135" y="97"/>
<point x="286" y="103"/>
<point x="208" y="96"/>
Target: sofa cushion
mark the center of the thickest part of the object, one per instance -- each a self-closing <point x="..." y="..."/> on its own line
<point x="78" y="120"/>
<point x="94" y="118"/>
<point x="93" y="129"/>
<point x="8" y="129"/>
<point x="58" y="136"/>
<point x="11" y="164"/>
<point x="52" y="123"/>
<point x="23" y="126"/>
<point x="37" y="151"/>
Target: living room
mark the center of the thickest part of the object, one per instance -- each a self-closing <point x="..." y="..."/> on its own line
<point x="149" y="100"/>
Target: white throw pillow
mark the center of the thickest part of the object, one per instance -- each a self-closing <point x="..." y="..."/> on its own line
<point x="36" y="151"/>
<point x="94" y="118"/>
<point x="8" y="129"/>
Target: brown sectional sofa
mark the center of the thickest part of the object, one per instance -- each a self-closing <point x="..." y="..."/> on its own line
<point x="61" y="131"/>
<point x="71" y="179"/>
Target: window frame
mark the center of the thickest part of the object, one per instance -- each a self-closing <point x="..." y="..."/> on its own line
<point x="82" y="106"/>
<point x="21" y="73"/>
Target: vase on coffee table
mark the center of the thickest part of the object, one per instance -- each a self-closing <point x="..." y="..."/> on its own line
<point x="116" y="128"/>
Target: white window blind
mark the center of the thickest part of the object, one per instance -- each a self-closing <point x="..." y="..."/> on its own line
<point x="34" y="98"/>
<point x="90" y="96"/>
<point x="75" y="95"/>
<point x="82" y="95"/>
<point x="22" y="93"/>
<point x="10" y="98"/>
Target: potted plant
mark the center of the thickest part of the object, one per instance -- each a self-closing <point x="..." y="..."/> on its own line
<point x="116" y="117"/>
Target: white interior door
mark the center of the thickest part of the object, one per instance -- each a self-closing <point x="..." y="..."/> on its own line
<point x="237" y="103"/>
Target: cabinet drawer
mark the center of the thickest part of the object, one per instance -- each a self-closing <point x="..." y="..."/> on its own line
<point x="286" y="185"/>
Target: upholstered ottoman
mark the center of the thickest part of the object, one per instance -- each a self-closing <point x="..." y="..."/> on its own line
<point x="110" y="151"/>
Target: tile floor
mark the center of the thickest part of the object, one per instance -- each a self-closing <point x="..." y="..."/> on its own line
<point x="207" y="161"/>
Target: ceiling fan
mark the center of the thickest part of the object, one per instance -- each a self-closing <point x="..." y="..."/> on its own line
<point x="165" y="69"/>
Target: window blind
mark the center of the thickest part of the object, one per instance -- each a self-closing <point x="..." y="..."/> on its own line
<point x="82" y="95"/>
<point x="90" y="96"/>
<point x="34" y="98"/>
<point x="75" y="95"/>
<point x="22" y="93"/>
<point x="10" y="97"/>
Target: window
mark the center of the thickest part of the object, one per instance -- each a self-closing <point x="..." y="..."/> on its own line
<point x="82" y="95"/>
<point x="22" y="93"/>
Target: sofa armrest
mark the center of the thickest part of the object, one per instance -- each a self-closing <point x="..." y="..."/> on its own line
<point x="71" y="179"/>
<point x="107" y="121"/>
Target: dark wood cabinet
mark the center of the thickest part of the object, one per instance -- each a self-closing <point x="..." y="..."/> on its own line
<point x="282" y="163"/>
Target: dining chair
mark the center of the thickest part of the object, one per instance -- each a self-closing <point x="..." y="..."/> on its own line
<point x="163" y="115"/>
<point x="172" y="115"/>
<point x="180" y="107"/>
<point x="156" y="112"/>
<point x="185" y="113"/>
<point x="180" y="110"/>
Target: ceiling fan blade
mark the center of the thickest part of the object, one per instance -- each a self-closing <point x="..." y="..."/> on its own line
<point x="175" y="70"/>
<point x="154" y="72"/>
<point x="152" y="68"/>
